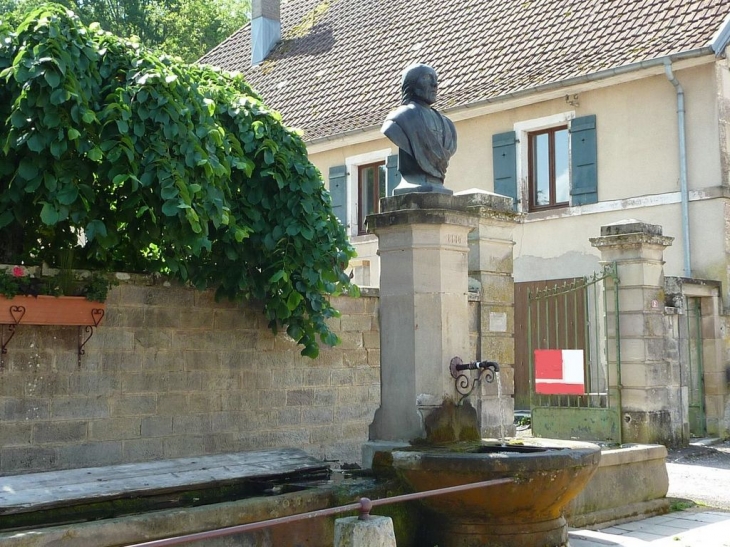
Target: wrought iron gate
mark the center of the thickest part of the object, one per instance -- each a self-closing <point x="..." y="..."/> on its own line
<point x="574" y="352"/>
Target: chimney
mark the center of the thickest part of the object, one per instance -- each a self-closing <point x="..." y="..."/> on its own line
<point x="265" y="28"/>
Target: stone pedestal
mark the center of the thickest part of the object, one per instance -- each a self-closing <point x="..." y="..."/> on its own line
<point x="426" y="254"/>
<point x="650" y="388"/>
<point x="423" y="250"/>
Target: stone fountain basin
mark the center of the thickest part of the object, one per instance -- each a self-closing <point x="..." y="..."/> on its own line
<point x="548" y="474"/>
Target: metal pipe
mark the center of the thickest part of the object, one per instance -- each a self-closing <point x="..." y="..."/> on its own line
<point x="364" y="506"/>
<point x="684" y="193"/>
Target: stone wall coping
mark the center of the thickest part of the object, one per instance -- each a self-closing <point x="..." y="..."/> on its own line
<point x="630" y="226"/>
<point x="631" y="239"/>
<point x="632" y="453"/>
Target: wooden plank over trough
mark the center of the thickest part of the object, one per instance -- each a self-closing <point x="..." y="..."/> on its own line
<point x="43" y="491"/>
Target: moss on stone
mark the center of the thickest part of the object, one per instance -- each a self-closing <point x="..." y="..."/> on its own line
<point x="451" y="423"/>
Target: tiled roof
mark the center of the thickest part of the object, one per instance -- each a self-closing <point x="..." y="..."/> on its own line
<point x="337" y="68"/>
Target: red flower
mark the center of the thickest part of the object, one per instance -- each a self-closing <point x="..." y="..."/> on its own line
<point x="18" y="271"/>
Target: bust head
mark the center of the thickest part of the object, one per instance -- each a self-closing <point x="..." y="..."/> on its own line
<point x="419" y="83"/>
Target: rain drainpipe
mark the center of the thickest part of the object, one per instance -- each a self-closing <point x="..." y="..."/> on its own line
<point x="682" y="165"/>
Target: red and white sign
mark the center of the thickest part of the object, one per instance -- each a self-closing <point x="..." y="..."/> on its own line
<point x="559" y="372"/>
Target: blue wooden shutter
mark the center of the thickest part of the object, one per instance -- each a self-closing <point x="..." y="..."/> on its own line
<point x="504" y="155"/>
<point x="338" y="191"/>
<point x="583" y="160"/>
<point x="393" y="175"/>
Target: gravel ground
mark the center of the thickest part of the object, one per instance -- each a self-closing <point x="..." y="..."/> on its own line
<point x="701" y="474"/>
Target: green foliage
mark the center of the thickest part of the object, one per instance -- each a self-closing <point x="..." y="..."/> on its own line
<point x="162" y="167"/>
<point x="11" y="284"/>
<point x="17" y="281"/>
<point x="186" y="28"/>
<point x="96" y="287"/>
<point x="681" y="505"/>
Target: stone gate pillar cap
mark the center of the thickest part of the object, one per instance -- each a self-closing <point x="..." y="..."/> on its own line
<point x="631" y="226"/>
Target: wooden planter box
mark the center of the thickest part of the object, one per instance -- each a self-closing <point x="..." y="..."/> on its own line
<point x="50" y="310"/>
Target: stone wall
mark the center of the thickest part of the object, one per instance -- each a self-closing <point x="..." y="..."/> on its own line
<point x="172" y="373"/>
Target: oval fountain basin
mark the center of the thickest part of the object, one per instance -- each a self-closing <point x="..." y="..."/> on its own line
<point x="547" y="474"/>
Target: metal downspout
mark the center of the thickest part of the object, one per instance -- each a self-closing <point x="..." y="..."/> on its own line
<point x="682" y="165"/>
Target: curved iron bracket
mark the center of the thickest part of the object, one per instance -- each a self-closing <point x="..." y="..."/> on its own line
<point x="464" y="385"/>
<point x="96" y="316"/>
<point x="17" y="313"/>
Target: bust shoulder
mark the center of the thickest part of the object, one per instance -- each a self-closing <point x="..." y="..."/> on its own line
<point x="404" y="112"/>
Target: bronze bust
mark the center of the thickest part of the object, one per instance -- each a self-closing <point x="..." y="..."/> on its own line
<point x="425" y="137"/>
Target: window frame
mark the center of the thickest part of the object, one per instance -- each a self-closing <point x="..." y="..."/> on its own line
<point x="353" y="163"/>
<point x="522" y="131"/>
<point x="552" y="179"/>
<point x="375" y="197"/>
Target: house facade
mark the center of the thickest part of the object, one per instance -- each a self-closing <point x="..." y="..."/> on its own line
<point x="586" y="114"/>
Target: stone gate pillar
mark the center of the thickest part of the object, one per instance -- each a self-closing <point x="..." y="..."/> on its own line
<point x="650" y="386"/>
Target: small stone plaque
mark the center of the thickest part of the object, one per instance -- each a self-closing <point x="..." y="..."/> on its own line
<point x="497" y="322"/>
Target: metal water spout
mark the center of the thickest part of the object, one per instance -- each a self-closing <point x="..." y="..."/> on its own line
<point x="487" y="371"/>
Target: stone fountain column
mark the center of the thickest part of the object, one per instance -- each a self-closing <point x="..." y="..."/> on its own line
<point x="424" y="319"/>
<point x="424" y="323"/>
<point x="491" y="265"/>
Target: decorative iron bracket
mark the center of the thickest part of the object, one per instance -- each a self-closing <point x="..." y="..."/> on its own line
<point x="464" y="386"/>
<point x="96" y="316"/>
<point x="17" y="313"/>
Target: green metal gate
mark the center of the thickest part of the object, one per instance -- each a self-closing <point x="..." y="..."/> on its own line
<point x="691" y="351"/>
<point x="573" y="325"/>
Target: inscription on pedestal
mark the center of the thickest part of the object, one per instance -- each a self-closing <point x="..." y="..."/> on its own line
<point x="454" y="239"/>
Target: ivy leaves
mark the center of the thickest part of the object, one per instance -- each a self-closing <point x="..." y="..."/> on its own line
<point x="163" y="167"/>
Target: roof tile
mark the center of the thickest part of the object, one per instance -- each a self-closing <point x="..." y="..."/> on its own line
<point x="337" y="68"/>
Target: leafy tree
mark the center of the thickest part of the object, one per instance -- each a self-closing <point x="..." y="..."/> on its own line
<point x="135" y="161"/>
<point x="187" y="28"/>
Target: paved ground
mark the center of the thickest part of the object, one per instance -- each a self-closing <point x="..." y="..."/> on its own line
<point x="699" y="474"/>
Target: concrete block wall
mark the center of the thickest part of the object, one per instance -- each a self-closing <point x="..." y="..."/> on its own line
<point x="171" y="373"/>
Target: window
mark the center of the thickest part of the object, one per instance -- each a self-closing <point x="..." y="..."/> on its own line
<point x="548" y="168"/>
<point x="547" y="162"/>
<point x="371" y="186"/>
<point x="357" y="186"/>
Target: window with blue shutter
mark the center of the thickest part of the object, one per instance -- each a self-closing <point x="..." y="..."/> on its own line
<point x="561" y="162"/>
<point x="583" y="161"/>
<point x="504" y="155"/>
<point x="338" y="191"/>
